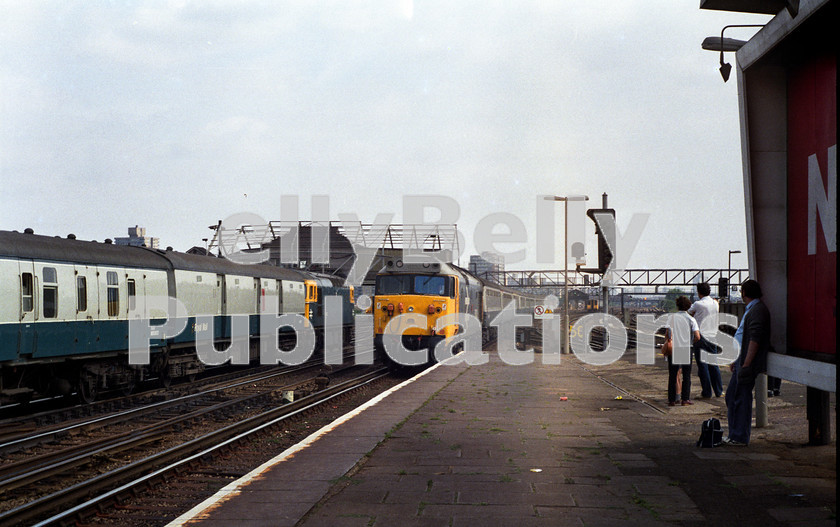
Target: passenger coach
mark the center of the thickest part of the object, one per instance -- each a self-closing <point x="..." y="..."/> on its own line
<point x="64" y="308"/>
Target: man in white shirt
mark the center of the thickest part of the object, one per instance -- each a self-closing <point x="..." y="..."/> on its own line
<point x="706" y="309"/>
<point x="679" y="362"/>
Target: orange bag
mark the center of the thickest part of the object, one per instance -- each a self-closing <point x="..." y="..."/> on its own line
<point x="667" y="348"/>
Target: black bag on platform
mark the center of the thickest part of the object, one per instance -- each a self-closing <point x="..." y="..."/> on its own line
<point x="711" y="434"/>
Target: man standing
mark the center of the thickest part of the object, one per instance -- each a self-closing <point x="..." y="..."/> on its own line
<point x="706" y="309"/>
<point x="753" y="335"/>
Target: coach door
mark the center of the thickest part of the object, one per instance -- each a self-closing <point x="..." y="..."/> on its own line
<point x="259" y="294"/>
<point x="278" y="294"/>
<point x="135" y="283"/>
<point x="87" y="307"/>
<point x="28" y="308"/>
<point x="221" y="295"/>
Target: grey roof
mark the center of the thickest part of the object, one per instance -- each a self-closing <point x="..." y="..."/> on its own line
<point x="22" y="245"/>
<point x="58" y="249"/>
<point x="210" y="264"/>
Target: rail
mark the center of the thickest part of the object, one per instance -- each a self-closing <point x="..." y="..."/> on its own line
<point x="110" y="485"/>
<point x="14" y="443"/>
<point x="15" y="475"/>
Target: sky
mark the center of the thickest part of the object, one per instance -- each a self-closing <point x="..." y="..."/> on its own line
<point x="175" y="115"/>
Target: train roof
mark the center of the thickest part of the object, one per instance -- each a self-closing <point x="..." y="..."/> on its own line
<point x="211" y="264"/>
<point x="35" y="246"/>
<point x="25" y="245"/>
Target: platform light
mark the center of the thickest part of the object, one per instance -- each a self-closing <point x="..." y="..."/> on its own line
<point x="725" y="44"/>
<point x="725" y="68"/>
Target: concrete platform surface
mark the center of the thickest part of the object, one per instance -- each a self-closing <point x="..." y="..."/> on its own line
<point x="496" y="445"/>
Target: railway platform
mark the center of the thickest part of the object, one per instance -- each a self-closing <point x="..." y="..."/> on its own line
<point x="567" y="444"/>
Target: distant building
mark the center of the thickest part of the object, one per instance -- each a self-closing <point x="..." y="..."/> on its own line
<point x="339" y="251"/>
<point x="488" y="262"/>
<point x="137" y="237"/>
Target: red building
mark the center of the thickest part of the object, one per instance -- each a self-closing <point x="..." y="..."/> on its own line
<point x="787" y="89"/>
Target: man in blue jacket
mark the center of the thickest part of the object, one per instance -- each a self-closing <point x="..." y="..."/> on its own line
<point x="753" y="335"/>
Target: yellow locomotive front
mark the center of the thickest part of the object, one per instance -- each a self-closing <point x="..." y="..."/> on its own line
<point x="410" y="300"/>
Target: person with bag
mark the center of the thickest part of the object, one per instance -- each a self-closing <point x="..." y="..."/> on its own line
<point x="753" y="335"/>
<point x="680" y="341"/>
<point x="667" y="350"/>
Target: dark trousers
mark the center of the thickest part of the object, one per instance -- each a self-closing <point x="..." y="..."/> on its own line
<point x="673" y="371"/>
<point x="774" y="384"/>
<point x="709" y="374"/>
<point x="739" y="400"/>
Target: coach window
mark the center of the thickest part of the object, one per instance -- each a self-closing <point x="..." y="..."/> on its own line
<point x="50" y="293"/>
<point x="132" y="293"/>
<point x="113" y="294"/>
<point x="26" y="291"/>
<point x="81" y="294"/>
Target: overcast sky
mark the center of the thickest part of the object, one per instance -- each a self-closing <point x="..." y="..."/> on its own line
<point x="174" y="115"/>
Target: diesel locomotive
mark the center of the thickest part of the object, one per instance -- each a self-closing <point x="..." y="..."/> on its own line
<point x="65" y="307"/>
<point x="425" y="292"/>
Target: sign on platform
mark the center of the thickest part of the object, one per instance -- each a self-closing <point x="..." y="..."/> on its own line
<point x="541" y="312"/>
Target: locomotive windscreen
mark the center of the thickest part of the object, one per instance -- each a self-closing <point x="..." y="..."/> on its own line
<point x="410" y="284"/>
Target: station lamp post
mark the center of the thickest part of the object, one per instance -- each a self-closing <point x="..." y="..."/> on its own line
<point x="566" y="200"/>
<point x="726" y="44"/>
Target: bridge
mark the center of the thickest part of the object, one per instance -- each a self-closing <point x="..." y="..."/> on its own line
<point x="621" y="278"/>
<point x="335" y="241"/>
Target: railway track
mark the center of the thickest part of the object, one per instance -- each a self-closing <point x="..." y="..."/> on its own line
<point x="598" y="337"/>
<point x="130" y="429"/>
<point x="20" y="417"/>
<point x="108" y="486"/>
<point x="27" y="433"/>
<point x="620" y="388"/>
<point x="111" y="487"/>
<point x="17" y="419"/>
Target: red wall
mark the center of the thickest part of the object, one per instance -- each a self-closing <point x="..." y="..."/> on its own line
<point x="812" y="279"/>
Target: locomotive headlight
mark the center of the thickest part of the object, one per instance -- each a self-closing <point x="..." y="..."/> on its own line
<point x="410" y="309"/>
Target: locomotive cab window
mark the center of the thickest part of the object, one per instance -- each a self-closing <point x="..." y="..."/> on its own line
<point x="50" y="293"/>
<point x="81" y="293"/>
<point x="393" y="284"/>
<point x="113" y="294"/>
<point x="311" y="293"/>
<point x="406" y="284"/>
<point x="26" y="292"/>
<point x="430" y="285"/>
